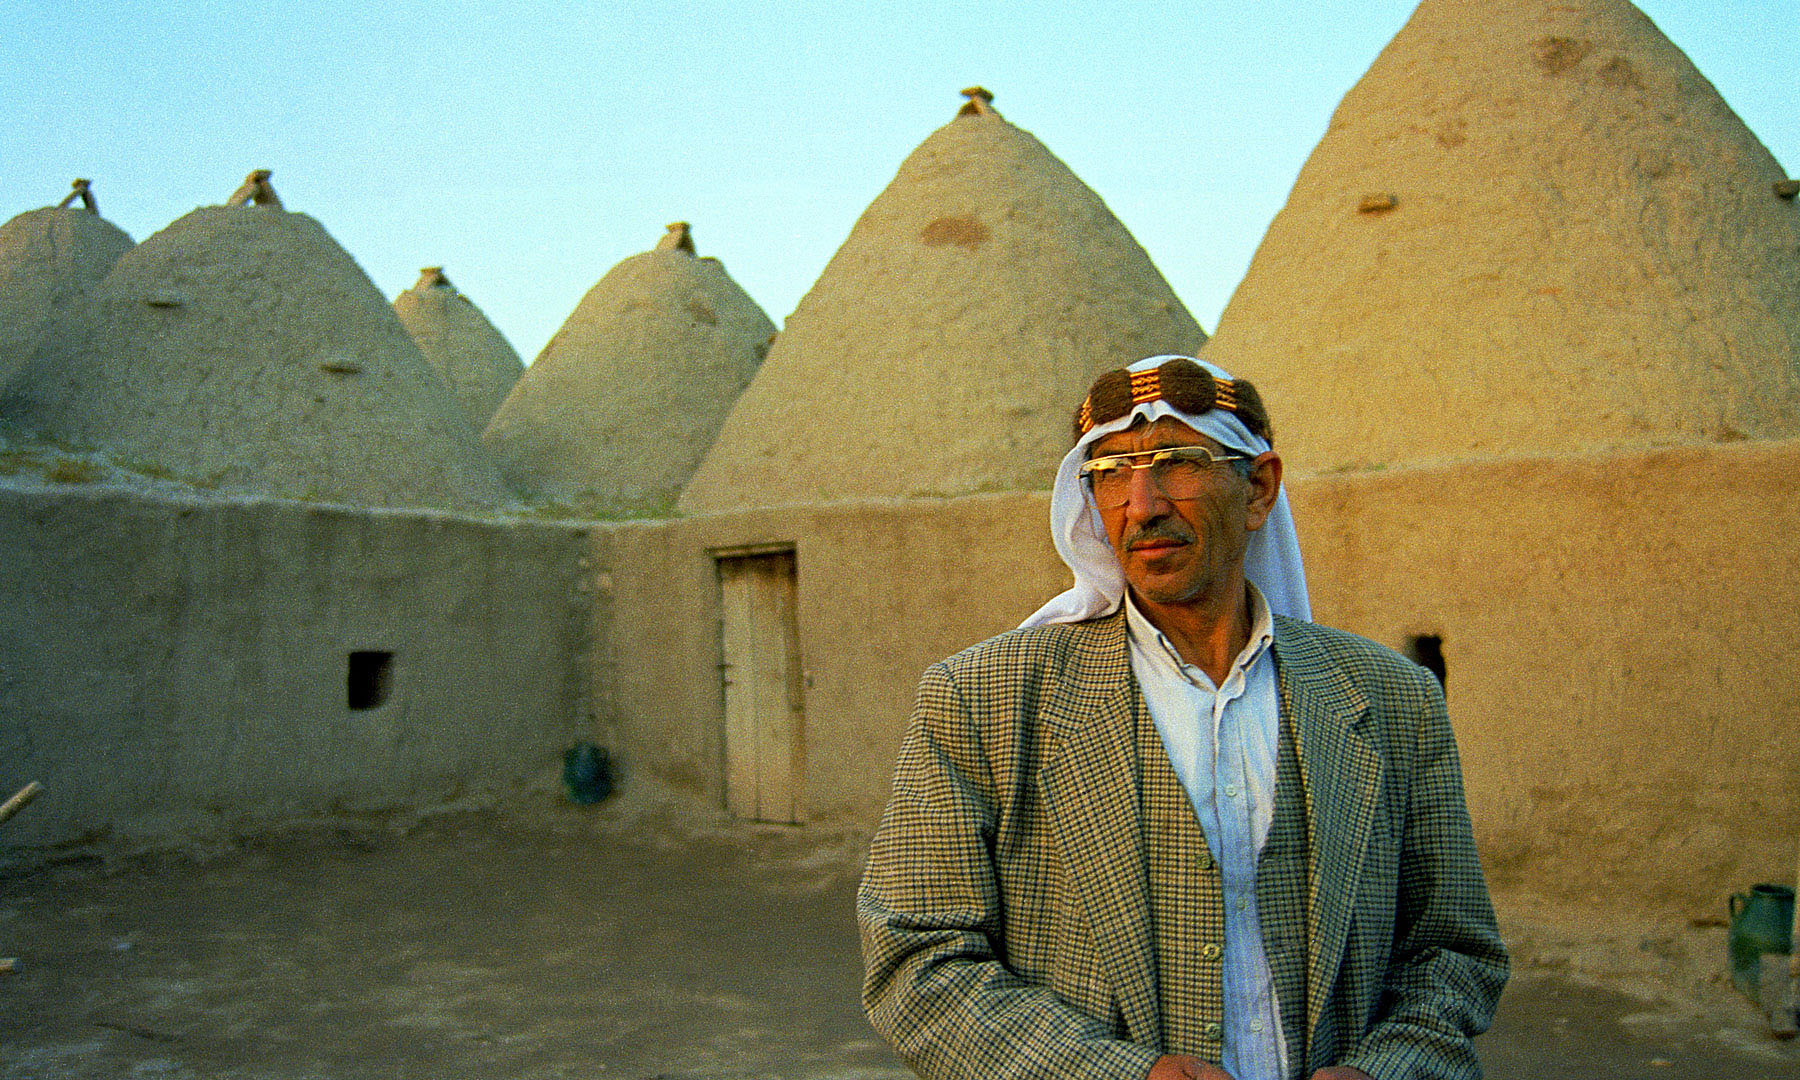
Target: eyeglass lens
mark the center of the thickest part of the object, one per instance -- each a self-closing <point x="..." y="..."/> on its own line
<point x="1176" y="478"/>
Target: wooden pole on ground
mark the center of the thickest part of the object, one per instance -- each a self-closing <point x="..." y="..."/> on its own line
<point x="19" y="799"/>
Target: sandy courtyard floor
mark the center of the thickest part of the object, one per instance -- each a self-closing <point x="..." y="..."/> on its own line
<point x="584" y="945"/>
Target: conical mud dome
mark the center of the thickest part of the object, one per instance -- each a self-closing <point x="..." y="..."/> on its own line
<point x="49" y="259"/>
<point x="241" y="347"/>
<point x="460" y="343"/>
<point x="616" y="411"/>
<point x="1532" y="227"/>
<point x="946" y="345"/>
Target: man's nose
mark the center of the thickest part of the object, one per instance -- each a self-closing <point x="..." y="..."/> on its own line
<point x="1144" y="497"/>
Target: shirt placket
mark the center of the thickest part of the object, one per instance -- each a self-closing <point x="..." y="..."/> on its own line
<point x="1235" y="801"/>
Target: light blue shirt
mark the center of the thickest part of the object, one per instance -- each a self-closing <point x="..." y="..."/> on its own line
<point x="1222" y="742"/>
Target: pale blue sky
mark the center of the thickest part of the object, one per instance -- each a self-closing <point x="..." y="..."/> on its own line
<point x="529" y="146"/>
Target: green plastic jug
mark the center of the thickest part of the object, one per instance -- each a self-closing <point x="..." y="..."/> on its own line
<point x="1762" y="921"/>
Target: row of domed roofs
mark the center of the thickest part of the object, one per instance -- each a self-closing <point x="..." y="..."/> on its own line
<point x="1539" y="231"/>
<point x="242" y="349"/>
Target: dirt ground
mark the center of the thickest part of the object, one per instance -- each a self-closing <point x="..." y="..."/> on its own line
<point x="637" y="942"/>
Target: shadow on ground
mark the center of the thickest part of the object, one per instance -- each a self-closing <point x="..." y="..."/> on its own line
<point x="478" y="946"/>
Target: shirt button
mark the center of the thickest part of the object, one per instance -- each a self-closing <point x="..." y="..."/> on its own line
<point x="1256" y="1025"/>
<point x="1210" y="951"/>
<point x="1231" y="790"/>
<point x="1211" y="1032"/>
<point x="1242" y="903"/>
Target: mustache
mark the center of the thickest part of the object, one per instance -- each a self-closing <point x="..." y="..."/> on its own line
<point x="1163" y="529"/>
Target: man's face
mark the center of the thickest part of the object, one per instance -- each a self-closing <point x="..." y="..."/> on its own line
<point x="1185" y="551"/>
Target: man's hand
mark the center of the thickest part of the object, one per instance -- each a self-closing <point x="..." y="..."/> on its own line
<point x="1183" y="1067"/>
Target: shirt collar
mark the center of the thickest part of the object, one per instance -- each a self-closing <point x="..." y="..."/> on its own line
<point x="1156" y="647"/>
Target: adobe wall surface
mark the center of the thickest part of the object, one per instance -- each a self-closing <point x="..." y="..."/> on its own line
<point x="474" y="358"/>
<point x="1619" y="631"/>
<point x="174" y="668"/>
<point x="984" y="245"/>
<point x="1533" y="227"/>
<point x="49" y="259"/>
<point x="241" y="348"/>
<point x="1620" y="635"/>
<point x="885" y="589"/>
<point x="617" y="411"/>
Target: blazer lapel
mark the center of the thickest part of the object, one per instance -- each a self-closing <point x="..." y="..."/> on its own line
<point x="1090" y="789"/>
<point x="1341" y="777"/>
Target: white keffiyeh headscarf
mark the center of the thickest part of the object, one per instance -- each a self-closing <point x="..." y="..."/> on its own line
<point x="1271" y="562"/>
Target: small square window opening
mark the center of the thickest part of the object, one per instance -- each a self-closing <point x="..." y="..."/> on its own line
<point x="370" y="678"/>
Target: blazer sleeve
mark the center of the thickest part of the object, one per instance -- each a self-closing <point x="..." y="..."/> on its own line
<point x="1447" y="964"/>
<point x="930" y="910"/>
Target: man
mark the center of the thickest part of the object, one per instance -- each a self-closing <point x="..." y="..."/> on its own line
<point x="1169" y="828"/>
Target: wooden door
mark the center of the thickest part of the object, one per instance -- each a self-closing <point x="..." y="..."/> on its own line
<point x="764" y="686"/>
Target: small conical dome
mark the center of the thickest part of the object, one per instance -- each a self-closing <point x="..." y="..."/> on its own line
<point x="460" y="343"/>
<point x="1532" y="227"/>
<point x="946" y="345"/>
<point x="49" y="259"/>
<point x="617" y="409"/>
<point x="242" y="347"/>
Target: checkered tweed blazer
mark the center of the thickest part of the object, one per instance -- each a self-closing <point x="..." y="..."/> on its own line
<point x="1004" y="907"/>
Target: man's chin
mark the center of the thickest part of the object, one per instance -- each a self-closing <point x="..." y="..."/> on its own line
<point x="1157" y="571"/>
<point x="1154" y="589"/>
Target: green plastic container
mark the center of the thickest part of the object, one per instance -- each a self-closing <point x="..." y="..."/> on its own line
<point x="1762" y="921"/>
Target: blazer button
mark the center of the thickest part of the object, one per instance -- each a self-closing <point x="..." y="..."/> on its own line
<point x="1211" y="1032"/>
<point x="1204" y="860"/>
<point x="1210" y="951"/>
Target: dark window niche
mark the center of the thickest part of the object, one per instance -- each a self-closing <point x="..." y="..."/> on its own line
<point x="370" y="678"/>
<point x="1427" y="651"/>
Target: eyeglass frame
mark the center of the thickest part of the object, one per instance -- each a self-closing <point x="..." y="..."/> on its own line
<point x="1158" y="456"/>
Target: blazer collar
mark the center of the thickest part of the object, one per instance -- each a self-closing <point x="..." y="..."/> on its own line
<point x="1090" y="785"/>
<point x="1341" y="777"/>
<point x="1091" y="780"/>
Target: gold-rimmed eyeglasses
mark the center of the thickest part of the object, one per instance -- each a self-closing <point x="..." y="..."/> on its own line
<point x="1179" y="472"/>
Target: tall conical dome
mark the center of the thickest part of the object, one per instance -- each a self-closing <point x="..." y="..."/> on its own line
<point x="49" y="259"/>
<point x="457" y="339"/>
<point x="617" y="409"/>
<point x="1532" y="227"/>
<point x="242" y="347"/>
<point x="945" y="346"/>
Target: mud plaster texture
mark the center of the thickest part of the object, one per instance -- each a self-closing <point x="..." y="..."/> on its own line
<point x="883" y="590"/>
<point x="1616" y="628"/>
<point x="241" y="348"/>
<point x="1618" y="633"/>
<point x="615" y="413"/>
<point x="641" y="939"/>
<point x="457" y="339"/>
<point x="945" y="343"/>
<point x="1642" y="779"/>
<point x="49" y="259"/>
<point x="175" y="663"/>
<point x="1583" y="252"/>
<point x="181" y="666"/>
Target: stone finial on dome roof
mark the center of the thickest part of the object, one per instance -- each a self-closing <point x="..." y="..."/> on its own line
<point x="256" y="189"/>
<point x="83" y="190"/>
<point x="980" y="102"/>
<point x="432" y="277"/>
<point x="679" y="238"/>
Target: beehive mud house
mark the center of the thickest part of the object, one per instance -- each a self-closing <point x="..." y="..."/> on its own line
<point x="1527" y="328"/>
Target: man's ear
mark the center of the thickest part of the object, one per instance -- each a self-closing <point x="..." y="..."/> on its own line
<point x="1265" y="486"/>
